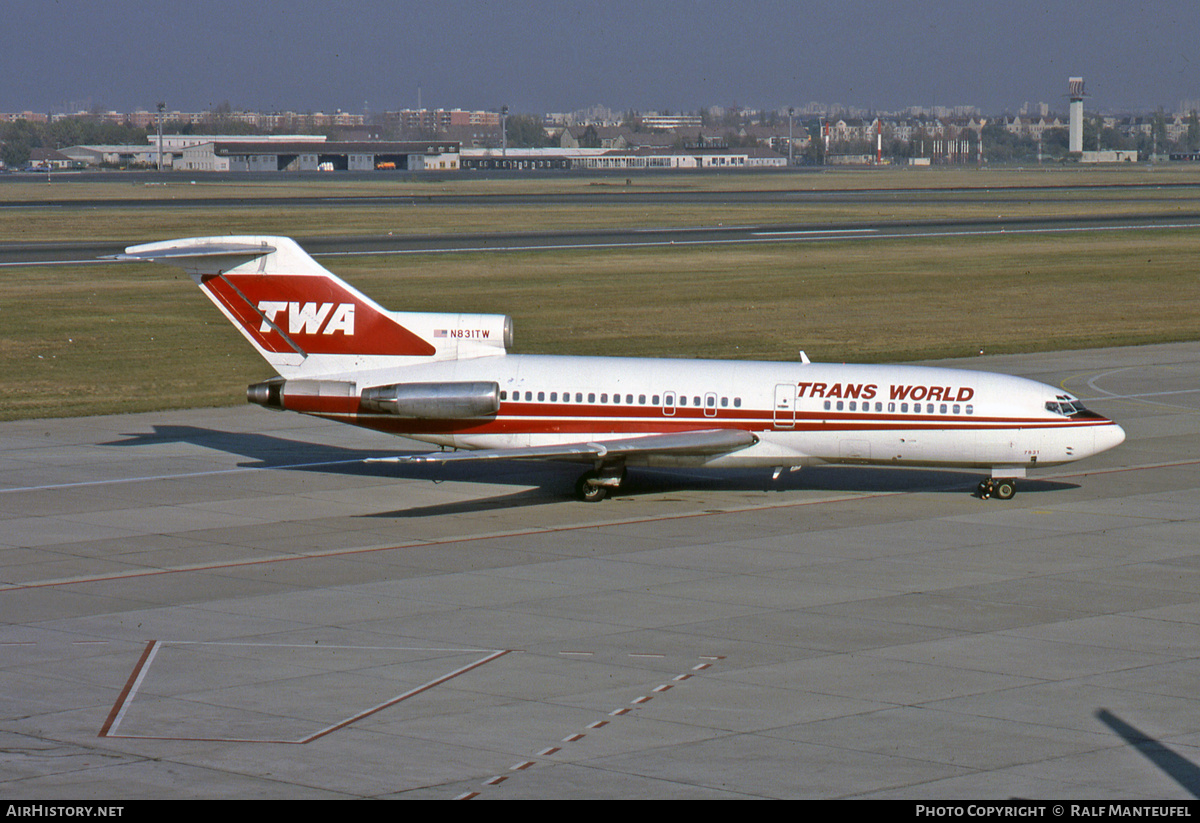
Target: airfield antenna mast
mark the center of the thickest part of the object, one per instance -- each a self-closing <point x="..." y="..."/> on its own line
<point x="161" y="108"/>
<point x="790" y="110"/>
<point x="503" y="131"/>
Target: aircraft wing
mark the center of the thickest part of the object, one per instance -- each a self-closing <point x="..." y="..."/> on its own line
<point x="710" y="441"/>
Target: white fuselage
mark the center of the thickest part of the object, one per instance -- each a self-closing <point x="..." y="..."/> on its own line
<point x="799" y="412"/>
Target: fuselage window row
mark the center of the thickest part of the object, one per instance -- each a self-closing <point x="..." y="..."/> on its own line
<point x="903" y="408"/>
<point x="670" y="399"/>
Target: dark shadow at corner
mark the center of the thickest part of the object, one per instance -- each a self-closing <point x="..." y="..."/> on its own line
<point x="1178" y="768"/>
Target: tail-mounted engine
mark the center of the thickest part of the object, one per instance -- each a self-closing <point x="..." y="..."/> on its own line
<point x="434" y="401"/>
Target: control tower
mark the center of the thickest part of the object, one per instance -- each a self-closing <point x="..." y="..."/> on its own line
<point x="1075" y="93"/>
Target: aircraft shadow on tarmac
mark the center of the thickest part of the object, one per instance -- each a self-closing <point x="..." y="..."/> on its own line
<point x="1178" y="768"/>
<point x="553" y="482"/>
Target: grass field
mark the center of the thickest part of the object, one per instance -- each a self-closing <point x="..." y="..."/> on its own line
<point x="85" y="340"/>
<point x="944" y="194"/>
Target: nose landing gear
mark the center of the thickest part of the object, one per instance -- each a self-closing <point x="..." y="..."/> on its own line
<point x="1001" y="488"/>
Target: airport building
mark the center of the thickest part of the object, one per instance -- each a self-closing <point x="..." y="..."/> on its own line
<point x="661" y="159"/>
<point x="241" y="155"/>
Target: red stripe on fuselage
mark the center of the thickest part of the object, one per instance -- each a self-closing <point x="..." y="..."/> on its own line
<point x="524" y="418"/>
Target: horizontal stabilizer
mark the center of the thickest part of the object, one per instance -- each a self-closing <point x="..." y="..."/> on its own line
<point x="178" y="254"/>
<point x="711" y="441"/>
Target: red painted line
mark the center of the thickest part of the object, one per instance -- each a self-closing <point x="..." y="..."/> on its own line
<point x="446" y="542"/>
<point x="119" y="707"/>
<point x="551" y="530"/>
<point x="405" y="696"/>
<point x="134" y="677"/>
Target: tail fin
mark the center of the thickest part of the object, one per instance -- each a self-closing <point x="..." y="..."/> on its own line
<point x="302" y="318"/>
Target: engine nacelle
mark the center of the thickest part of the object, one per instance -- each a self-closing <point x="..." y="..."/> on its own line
<point x="434" y="401"/>
<point x="278" y="394"/>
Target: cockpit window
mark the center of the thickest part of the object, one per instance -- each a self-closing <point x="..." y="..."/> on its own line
<point x="1065" y="406"/>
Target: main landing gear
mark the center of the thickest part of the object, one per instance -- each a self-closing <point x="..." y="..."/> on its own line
<point x="594" y="486"/>
<point x="1001" y="488"/>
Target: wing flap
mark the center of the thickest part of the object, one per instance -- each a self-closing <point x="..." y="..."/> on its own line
<point x="709" y="441"/>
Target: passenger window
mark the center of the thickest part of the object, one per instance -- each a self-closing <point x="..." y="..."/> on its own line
<point x="591" y="397"/>
<point x="957" y="408"/>
<point x="942" y="409"/>
<point x="828" y="405"/>
<point x="891" y="407"/>
<point x="629" y="399"/>
<point x="853" y="405"/>
<point x="528" y="395"/>
<point x="970" y="409"/>
<point x="604" y="397"/>
<point x="541" y="396"/>
<point x="642" y="400"/>
<point x="840" y="405"/>
<point x="654" y="400"/>
<point x="724" y="402"/>
<point x="737" y="402"/>
<point x="553" y="397"/>
<point x="616" y="398"/>
<point x="503" y="394"/>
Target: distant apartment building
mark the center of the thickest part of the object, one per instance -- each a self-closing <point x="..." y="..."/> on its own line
<point x="671" y="122"/>
<point x="435" y="120"/>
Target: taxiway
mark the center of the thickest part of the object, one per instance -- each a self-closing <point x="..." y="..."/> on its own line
<point x="229" y="603"/>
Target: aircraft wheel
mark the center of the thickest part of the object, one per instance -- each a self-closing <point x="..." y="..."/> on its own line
<point x="985" y="489"/>
<point x="590" y="492"/>
<point x="1005" y="489"/>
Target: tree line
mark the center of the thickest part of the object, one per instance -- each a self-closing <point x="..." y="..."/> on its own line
<point x="20" y="137"/>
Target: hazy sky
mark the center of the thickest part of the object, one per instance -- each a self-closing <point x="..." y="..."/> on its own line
<point x="561" y="55"/>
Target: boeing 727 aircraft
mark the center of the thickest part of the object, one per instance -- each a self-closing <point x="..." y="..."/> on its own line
<point x="448" y="379"/>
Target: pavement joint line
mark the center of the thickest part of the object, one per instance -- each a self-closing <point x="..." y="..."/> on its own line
<point x="575" y="737"/>
<point x="323" y="555"/>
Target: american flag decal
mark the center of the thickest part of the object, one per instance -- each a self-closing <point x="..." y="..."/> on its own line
<point x="440" y="333"/>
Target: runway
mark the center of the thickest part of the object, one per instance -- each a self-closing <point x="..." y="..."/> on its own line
<point x="228" y="603"/>
<point x="17" y="254"/>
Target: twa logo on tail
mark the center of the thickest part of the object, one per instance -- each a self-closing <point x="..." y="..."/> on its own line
<point x="288" y="313"/>
<point x="308" y="318"/>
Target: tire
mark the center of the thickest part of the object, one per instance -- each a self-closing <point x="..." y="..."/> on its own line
<point x="589" y="492"/>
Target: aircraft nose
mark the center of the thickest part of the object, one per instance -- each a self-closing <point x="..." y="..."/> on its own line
<point x="1109" y="436"/>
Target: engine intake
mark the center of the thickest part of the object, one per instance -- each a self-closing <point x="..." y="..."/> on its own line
<point x="434" y="401"/>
